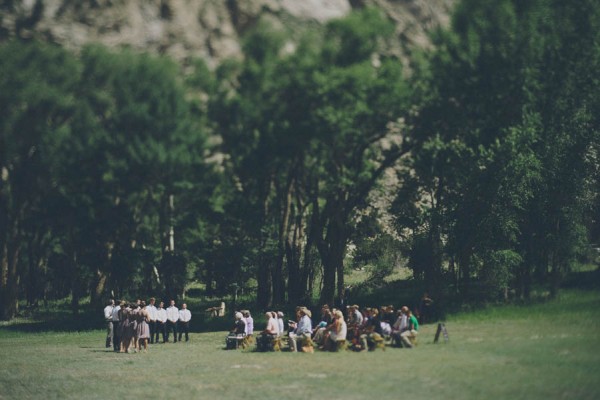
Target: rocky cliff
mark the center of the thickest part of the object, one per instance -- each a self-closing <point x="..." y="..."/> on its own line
<point x="209" y="29"/>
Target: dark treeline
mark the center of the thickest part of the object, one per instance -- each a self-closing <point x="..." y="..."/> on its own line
<point x="122" y="175"/>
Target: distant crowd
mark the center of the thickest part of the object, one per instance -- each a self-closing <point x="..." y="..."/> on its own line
<point x="358" y="329"/>
<point x="131" y="326"/>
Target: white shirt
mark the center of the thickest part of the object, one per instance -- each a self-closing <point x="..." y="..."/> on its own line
<point x="280" y="326"/>
<point x="151" y="312"/>
<point x="185" y="315"/>
<point x="108" y="312"/>
<point x="401" y="323"/>
<point x="161" y="315"/>
<point x="115" y="313"/>
<point x="172" y="313"/>
<point x="249" y="325"/>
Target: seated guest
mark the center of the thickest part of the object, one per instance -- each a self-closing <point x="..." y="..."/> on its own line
<point x="337" y="332"/>
<point x="411" y="331"/>
<point x="265" y="340"/>
<point x="239" y="327"/>
<point x="300" y="330"/>
<point x="399" y="326"/>
<point x="237" y="333"/>
<point x="358" y="317"/>
<point x="326" y="314"/>
<point x="371" y="331"/>
<point x="249" y="323"/>
<point x="280" y="323"/>
<point x="274" y="316"/>
<point x="320" y="331"/>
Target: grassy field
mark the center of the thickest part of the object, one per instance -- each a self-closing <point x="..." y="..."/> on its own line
<point x="545" y="351"/>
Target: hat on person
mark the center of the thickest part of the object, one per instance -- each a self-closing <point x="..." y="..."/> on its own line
<point x="280" y="314"/>
<point x="306" y="311"/>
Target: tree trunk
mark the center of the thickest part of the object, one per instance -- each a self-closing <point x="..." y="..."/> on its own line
<point x="99" y="286"/>
<point x="9" y="305"/>
<point x="263" y="296"/>
<point x="10" y="291"/>
<point x="332" y="252"/>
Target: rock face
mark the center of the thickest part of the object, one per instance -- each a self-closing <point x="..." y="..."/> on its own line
<point x="208" y="29"/>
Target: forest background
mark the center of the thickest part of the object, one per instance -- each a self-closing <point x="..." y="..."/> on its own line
<point x="475" y="165"/>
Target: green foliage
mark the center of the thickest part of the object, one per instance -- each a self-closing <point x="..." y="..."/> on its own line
<point x="501" y="134"/>
<point x="266" y="168"/>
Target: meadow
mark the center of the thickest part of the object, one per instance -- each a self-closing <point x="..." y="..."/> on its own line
<point x="547" y="350"/>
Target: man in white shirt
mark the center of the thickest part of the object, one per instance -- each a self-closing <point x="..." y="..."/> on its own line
<point x="399" y="327"/>
<point x="172" y="318"/>
<point x="161" y="321"/>
<point x="109" y="324"/>
<point x="184" y="322"/>
<point x="152" y="315"/>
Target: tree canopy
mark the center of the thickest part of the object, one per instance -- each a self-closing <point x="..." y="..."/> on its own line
<point x="123" y="175"/>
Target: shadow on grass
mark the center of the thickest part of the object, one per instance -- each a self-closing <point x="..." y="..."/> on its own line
<point x="398" y="293"/>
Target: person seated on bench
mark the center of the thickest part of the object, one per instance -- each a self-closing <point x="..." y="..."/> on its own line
<point x="320" y="332"/>
<point x="300" y="330"/>
<point x="249" y="324"/>
<point x="410" y="333"/>
<point x="237" y="333"/>
<point x="265" y="341"/>
<point x="337" y="332"/>
<point x="399" y="326"/>
<point x="372" y="332"/>
<point x="280" y="325"/>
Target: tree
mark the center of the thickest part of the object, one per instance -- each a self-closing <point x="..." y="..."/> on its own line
<point x="35" y="115"/>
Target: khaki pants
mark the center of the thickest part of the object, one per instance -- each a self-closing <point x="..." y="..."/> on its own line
<point x="407" y="337"/>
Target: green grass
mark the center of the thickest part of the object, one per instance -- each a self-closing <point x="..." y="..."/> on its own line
<point x="544" y="351"/>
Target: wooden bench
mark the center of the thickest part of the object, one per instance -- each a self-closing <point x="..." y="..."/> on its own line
<point x="218" y="311"/>
<point x="236" y="341"/>
<point x="378" y="342"/>
<point x="307" y="345"/>
<point x="341" y="345"/>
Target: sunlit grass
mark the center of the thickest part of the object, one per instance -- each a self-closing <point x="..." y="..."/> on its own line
<point x="541" y="351"/>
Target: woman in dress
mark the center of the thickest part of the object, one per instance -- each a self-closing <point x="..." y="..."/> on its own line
<point x="143" y="329"/>
<point x="124" y="331"/>
<point x="133" y="323"/>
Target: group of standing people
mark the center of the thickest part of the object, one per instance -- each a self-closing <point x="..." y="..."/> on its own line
<point x="131" y="326"/>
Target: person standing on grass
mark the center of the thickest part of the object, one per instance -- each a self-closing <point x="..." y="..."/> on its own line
<point x="125" y="330"/>
<point x="152" y="315"/>
<point x="116" y="318"/>
<point x="184" y="322"/>
<point x="109" y="323"/>
<point x="161" y="321"/>
<point x="172" y="318"/>
<point x="143" y="329"/>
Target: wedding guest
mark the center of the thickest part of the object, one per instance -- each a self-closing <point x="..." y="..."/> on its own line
<point x="184" y="322"/>
<point x="172" y="318"/>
